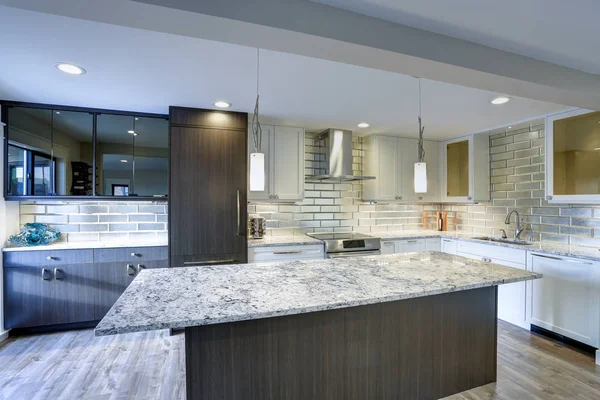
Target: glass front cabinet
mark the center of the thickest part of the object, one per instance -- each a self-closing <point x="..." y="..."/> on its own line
<point x="573" y="157"/>
<point x="465" y="172"/>
<point x="53" y="151"/>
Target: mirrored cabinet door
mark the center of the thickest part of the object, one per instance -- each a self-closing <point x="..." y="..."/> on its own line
<point x="151" y="157"/>
<point x="114" y="155"/>
<point x="49" y="152"/>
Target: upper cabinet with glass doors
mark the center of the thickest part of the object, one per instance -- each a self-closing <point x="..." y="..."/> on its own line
<point x="573" y="157"/>
<point x="52" y="152"/>
<point x="466" y="169"/>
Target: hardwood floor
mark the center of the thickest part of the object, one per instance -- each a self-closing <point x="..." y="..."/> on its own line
<point x="144" y="366"/>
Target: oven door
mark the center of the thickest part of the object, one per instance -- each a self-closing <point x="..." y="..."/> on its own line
<point x="353" y="254"/>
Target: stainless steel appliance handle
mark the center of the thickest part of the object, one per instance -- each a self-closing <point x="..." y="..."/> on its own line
<point x="563" y="259"/>
<point x="354" y="254"/>
<point x="239" y="214"/>
<point x="208" y="262"/>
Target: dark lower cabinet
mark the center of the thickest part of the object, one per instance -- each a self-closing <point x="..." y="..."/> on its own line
<point x="27" y="297"/>
<point x="113" y="279"/>
<point x="73" y="294"/>
<point x="40" y="289"/>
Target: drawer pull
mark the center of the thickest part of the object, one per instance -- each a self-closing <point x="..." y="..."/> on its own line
<point x="59" y="274"/>
<point x="136" y="255"/>
<point x="50" y="258"/>
<point x="411" y="241"/>
<point x="207" y="262"/>
<point x="563" y="259"/>
<point x="46" y="274"/>
<point x="287" y="252"/>
<point x="130" y="270"/>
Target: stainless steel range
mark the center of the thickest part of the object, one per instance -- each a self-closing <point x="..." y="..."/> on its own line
<point x="348" y="244"/>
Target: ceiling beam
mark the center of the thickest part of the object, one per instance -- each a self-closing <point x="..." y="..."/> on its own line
<point x="311" y="29"/>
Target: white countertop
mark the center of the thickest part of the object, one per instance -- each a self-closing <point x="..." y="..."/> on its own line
<point x="61" y="245"/>
<point x="194" y="296"/>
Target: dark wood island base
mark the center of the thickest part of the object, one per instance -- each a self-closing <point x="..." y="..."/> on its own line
<point x="421" y="348"/>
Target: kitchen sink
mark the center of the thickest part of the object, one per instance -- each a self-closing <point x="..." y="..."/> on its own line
<point x="504" y="240"/>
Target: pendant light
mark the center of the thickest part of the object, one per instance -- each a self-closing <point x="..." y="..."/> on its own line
<point x="257" y="158"/>
<point x="420" y="166"/>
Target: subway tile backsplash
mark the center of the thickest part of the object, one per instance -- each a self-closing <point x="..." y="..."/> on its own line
<point x="100" y="221"/>
<point x="337" y="207"/>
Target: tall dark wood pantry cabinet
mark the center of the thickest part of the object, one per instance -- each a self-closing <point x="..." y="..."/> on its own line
<point x="207" y="187"/>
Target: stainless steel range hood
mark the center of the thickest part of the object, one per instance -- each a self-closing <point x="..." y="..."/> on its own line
<point x="336" y="146"/>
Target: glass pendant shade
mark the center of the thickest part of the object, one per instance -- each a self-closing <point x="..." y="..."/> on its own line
<point x="420" y="177"/>
<point x="257" y="172"/>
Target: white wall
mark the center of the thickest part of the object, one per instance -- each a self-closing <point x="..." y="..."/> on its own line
<point x="9" y="224"/>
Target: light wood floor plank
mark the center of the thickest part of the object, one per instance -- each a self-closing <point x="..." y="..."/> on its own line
<point x="151" y="365"/>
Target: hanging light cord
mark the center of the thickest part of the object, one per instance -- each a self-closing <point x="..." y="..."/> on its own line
<point x="256" y="128"/>
<point x="421" y="152"/>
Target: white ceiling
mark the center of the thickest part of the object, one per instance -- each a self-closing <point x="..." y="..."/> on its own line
<point x="560" y="32"/>
<point x="138" y="70"/>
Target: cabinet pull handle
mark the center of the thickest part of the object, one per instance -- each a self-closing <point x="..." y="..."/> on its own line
<point x="208" y="262"/>
<point x="446" y="240"/>
<point x="239" y="215"/>
<point x="130" y="270"/>
<point x="411" y="241"/>
<point x="287" y="252"/>
<point x="50" y="258"/>
<point x="469" y="198"/>
<point x="136" y="255"/>
<point x="140" y="267"/>
<point x="563" y="259"/>
<point x="58" y="274"/>
<point x="46" y="276"/>
<point x="388" y="242"/>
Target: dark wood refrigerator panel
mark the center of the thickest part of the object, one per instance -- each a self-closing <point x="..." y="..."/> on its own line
<point x="207" y="194"/>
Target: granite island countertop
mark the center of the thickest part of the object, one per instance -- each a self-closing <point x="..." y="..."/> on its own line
<point x="183" y="297"/>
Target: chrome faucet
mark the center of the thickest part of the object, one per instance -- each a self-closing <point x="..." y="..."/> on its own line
<point x="518" y="229"/>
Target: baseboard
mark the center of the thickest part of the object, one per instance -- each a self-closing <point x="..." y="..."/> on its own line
<point x="53" y="328"/>
<point x="3" y="336"/>
<point x="566" y="341"/>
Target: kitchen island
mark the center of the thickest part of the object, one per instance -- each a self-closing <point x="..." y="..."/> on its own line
<point x="414" y="326"/>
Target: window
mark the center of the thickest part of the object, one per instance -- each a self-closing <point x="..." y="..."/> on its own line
<point x="120" y="190"/>
<point x="30" y="172"/>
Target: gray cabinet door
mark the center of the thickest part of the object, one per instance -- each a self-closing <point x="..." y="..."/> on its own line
<point x="27" y="297"/>
<point x="74" y="292"/>
<point x="113" y="278"/>
<point x="37" y="296"/>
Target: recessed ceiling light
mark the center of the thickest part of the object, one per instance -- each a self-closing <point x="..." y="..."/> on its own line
<point x="363" y="125"/>
<point x="71" y="69"/>
<point x="222" y="104"/>
<point x="123" y="160"/>
<point x="500" y="100"/>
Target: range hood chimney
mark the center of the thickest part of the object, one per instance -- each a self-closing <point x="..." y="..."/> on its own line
<point x="338" y="157"/>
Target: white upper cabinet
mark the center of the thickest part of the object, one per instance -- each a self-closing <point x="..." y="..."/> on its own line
<point x="284" y="164"/>
<point x="573" y="157"/>
<point x="465" y="170"/>
<point x="391" y="160"/>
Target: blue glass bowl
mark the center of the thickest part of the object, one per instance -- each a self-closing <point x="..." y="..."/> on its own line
<point x="35" y="234"/>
